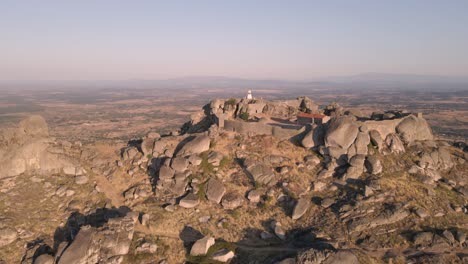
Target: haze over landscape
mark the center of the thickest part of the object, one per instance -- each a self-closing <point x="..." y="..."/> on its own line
<point x="108" y="40"/>
<point x="241" y="132"/>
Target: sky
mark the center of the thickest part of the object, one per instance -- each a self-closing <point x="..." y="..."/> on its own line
<point x="296" y="40"/>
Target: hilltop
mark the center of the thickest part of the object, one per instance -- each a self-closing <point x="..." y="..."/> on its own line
<point x="244" y="181"/>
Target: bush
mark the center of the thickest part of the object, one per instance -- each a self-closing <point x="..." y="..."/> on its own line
<point x="205" y="166"/>
<point x="231" y="102"/>
<point x="202" y="192"/>
<point x="244" y="116"/>
<point x="224" y="162"/>
<point x="212" y="144"/>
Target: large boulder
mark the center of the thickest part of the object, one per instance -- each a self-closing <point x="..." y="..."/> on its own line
<point x="376" y="139"/>
<point x="217" y="105"/>
<point x="438" y="159"/>
<point x="129" y="153"/>
<point x="82" y="249"/>
<point x="394" y="143"/>
<point x="356" y="167"/>
<point x="373" y="165"/>
<point x="101" y="244"/>
<point x="34" y="156"/>
<point x="414" y="128"/>
<point x="33" y="126"/>
<point x="215" y="190"/>
<point x="260" y="172"/>
<point x="232" y="201"/>
<point x="341" y="132"/>
<point x="342" y="257"/>
<point x="44" y="259"/>
<point x="147" y="146"/>
<point x="189" y="201"/>
<point x="179" y="164"/>
<point x="159" y="147"/>
<point x="201" y="246"/>
<point x="28" y="148"/>
<point x="301" y="208"/>
<point x="197" y="145"/>
<point x="313" y="138"/>
<point x="362" y="142"/>
<point x="166" y="172"/>
<point x="308" y="106"/>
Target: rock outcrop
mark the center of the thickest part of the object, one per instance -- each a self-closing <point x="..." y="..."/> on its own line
<point x="101" y="244"/>
<point x="341" y="132"/>
<point x="30" y="149"/>
<point x="414" y="128"/>
<point x="197" y="145"/>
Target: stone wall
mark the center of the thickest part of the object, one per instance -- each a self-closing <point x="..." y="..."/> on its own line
<point x="259" y="128"/>
<point x="244" y="127"/>
<point x="385" y="127"/>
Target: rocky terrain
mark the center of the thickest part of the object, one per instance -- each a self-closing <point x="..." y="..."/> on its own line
<point x="359" y="188"/>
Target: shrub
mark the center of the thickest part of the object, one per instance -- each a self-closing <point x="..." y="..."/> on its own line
<point x="224" y="162"/>
<point x="202" y="191"/>
<point x="212" y="144"/>
<point x="205" y="166"/>
<point x="244" y="116"/>
<point x="231" y="102"/>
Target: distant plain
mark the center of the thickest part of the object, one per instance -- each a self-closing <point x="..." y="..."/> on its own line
<point x="121" y="112"/>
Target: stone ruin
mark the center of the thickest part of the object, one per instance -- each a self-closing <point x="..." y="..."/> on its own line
<point x="343" y="141"/>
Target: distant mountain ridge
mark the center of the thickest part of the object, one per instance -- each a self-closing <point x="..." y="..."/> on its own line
<point x="364" y="80"/>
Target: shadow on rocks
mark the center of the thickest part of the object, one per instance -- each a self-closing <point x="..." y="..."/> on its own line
<point x="67" y="233"/>
<point x="76" y="220"/>
<point x="189" y="235"/>
<point x="153" y="170"/>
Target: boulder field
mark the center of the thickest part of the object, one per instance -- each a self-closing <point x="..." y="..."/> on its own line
<point x="355" y="189"/>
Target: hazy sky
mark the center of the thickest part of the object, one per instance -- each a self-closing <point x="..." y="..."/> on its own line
<point x="92" y="40"/>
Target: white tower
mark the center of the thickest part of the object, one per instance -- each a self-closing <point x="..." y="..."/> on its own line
<point x="249" y="95"/>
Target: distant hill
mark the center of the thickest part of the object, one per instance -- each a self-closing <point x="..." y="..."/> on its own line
<point x="365" y="80"/>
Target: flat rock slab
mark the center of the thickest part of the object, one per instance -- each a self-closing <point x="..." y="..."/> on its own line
<point x="301" y="208"/>
<point x="215" y="190"/>
<point x="197" y="145"/>
<point x="189" y="201"/>
<point x="262" y="174"/>
<point x="81" y="180"/>
<point x="201" y="246"/>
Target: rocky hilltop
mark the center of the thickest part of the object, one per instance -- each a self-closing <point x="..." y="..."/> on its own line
<point x="244" y="181"/>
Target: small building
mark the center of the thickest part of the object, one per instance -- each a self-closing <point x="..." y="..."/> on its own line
<point x="249" y="95"/>
<point x="306" y="119"/>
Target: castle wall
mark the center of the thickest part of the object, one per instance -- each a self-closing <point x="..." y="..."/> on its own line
<point x="257" y="128"/>
<point x="243" y="127"/>
<point x="384" y="127"/>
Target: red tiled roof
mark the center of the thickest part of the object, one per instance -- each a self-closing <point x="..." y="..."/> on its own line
<point x="306" y="115"/>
